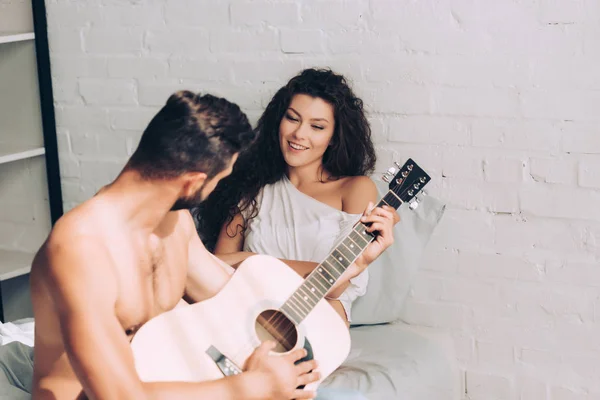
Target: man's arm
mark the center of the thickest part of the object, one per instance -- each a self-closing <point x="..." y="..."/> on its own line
<point x="84" y="291"/>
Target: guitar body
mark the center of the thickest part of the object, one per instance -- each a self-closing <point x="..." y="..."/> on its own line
<point x="173" y="346"/>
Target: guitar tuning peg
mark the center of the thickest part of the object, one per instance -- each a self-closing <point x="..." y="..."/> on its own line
<point x="391" y="171"/>
<point x="386" y="178"/>
<point x="398" y="164"/>
<point x="413" y="205"/>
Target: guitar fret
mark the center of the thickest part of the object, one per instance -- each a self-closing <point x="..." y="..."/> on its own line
<point x="340" y="259"/>
<point x="295" y="308"/>
<point x="348" y="255"/>
<point x="351" y="249"/>
<point x="318" y="277"/>
<point x="308" y="295"/>
<point x="331" y="277"/>
<point x="301" y="306"/>
<point x="291" y="314"/>
<point x="332" y="266"/>
<point x="357" y="236"/>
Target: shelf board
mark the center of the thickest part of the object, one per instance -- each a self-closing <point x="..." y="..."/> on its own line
<point x="10" y="153"/>
<point x="14" y="263"/>
<point x="16" y="37"/>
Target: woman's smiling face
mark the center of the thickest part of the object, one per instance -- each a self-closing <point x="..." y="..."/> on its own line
<point x="305" y="130"/>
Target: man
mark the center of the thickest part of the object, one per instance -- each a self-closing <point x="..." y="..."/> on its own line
<point x="131" y="253"/>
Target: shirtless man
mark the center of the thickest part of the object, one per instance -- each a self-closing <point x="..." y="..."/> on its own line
<point x="131" y="253"/>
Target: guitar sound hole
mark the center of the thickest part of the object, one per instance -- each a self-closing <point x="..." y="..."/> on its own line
<point x="273" y="325"/>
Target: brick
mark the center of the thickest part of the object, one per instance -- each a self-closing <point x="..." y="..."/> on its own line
<point x="561" y="393"/>
<point x="589" y="172"/>
<point x="187" y="42"/>
<point x="360" y="42"/>
<point x="542" y="136"/>
<point x="410" y="68"/>
<point x="65" y="91"/>
<point x="142" y="14"/>
<point x="427" y="288"/>
<point x="488" y="387"/>
<point x="467" y="292"/>
<point x="579" y="137"/>
<point x="533" y="40"/>
<point x="466" y="230"/>
<point x="522" y="235"/>
<point x="279" y="71"/>
<point x="577" y="273"/>
<point x="111" y="92"/>
<point x="201" y="69"/>
<point x="79" y="16"/>
<point x="399" y="98"/>
<point x="531" y="388"/>
<point x="561" y="170"/>
<point x="429" y="129"/>
<point x="476" y="102"/>
<point x="561" y="104"/>
<point x="498" y="198"/>
<point x="66" y="66"/>
<point x="499" y="356"/>
<point x="483" y="71"/>
<point x="258" y="12"/>
<point x="566" y="12"/>
<point x="113" y="41"/>
<point x="485" y="266"/>
<point x="302" y="41"/>
<point x="136" y="67"/>
<point x="230" y="41"/>
<point x="443" y="260"/>
<point x="78" y="117"/>
<point x="193" y="13"/>
<point x="157" y="94"/>
<point x="503" y="169"/>
<point x="459" y="162"/>
<point x="566" y="74"/>
<point x="437" y="315"/>
<point x="560" y="202"/>
<point x="65" y="41"/>
<point x="100" y="173"/>
<point x="131" y="119"/>
<point x="332" y="14"/>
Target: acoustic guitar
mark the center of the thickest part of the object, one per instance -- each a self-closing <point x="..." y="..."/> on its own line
<point x="263" y="300"/>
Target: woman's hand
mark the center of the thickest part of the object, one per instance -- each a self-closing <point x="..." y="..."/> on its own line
<point x="380" y="220"/>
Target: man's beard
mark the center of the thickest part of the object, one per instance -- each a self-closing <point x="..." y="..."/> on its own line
<point x="186" y="203"/>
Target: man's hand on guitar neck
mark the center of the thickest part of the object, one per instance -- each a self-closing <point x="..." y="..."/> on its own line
<point x="281" y="375"/>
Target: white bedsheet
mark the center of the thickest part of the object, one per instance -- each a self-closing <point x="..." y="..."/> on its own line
<point x="17" y="331"/>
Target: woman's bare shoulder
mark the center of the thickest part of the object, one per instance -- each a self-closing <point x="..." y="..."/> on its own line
<point x="357" y="192"/>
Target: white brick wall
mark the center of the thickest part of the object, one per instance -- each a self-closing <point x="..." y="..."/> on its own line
<point x="499" y="101"/>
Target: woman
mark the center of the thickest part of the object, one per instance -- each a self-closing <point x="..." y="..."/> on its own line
<point x="302" y="185"/>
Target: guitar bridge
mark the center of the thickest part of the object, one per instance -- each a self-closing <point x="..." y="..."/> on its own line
<point x="227" y="367"/>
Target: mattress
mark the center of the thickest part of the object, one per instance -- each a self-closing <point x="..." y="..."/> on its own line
<point x="396" y="361"/>
<point x="386" y="362"/>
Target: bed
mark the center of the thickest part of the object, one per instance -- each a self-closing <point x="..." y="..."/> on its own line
<point x="388" y="359"/>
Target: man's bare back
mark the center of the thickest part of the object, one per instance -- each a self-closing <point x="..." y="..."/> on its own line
<point x="146" y="277"/>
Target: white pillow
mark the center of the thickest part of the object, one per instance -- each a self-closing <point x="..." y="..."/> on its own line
<point x="392" y="274"/>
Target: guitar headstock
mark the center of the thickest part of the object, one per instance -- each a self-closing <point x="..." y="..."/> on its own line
<point x="408" y="181"/>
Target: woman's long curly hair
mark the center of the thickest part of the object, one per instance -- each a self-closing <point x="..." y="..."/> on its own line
<point x="350" y="153"/>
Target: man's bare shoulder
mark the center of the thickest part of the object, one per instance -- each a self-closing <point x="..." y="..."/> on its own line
<point x="75" y="242"/>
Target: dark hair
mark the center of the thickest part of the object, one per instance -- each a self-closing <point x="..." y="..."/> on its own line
<point x="351" y="152"/>
<point x="191" y="133"/>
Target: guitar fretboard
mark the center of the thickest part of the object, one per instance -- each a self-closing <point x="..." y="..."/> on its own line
<point x="324" y="276"/>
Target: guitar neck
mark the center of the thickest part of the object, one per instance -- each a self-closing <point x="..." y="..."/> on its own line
<point x="326" y="274"/>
